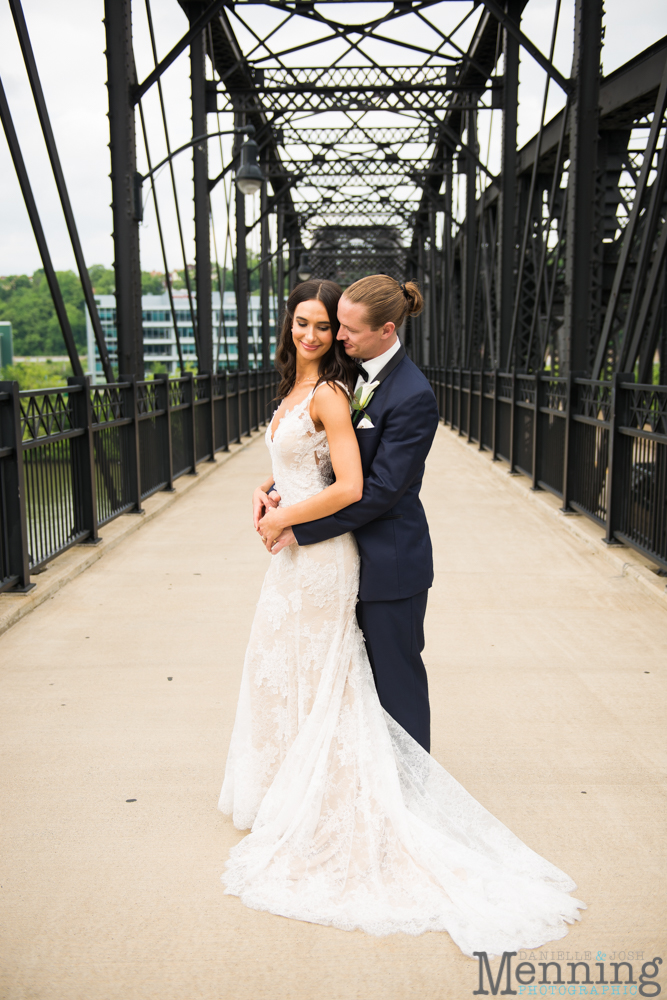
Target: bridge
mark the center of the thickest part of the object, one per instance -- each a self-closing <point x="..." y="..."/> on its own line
<point x="128" y="572"/>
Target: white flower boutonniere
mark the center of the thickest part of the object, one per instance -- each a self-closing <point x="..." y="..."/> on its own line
<point x="360" y="401"/>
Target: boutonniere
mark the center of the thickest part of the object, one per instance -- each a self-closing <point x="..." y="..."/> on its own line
<point x="360" y="401"/>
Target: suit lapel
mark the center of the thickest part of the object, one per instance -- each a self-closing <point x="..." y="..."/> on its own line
<point x="389" y="367"/>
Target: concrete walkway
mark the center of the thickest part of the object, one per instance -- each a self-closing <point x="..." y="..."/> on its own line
<point x="547" y="670"/>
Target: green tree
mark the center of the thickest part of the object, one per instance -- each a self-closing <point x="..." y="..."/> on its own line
<point x="152" y="284"/>
<point x="26" y="302"/>
<point x="37" y="375"/>
<point x="102" y="279"/>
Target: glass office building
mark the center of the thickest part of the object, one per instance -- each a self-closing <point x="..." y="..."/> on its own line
<point x="160" y="351"/>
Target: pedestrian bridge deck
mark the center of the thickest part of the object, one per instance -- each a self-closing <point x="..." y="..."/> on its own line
<point x="547" y="671"/>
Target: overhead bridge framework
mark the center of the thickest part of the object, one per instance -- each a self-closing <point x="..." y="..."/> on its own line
<point x="552" y="256"/>
<point x="558" y="259"/>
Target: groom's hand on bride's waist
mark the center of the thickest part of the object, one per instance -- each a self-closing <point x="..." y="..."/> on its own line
<point x="261" y="502"/>
<point x="285" y="538"/>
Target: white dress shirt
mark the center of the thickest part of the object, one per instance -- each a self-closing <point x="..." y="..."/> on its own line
<point x="375" y="365"/>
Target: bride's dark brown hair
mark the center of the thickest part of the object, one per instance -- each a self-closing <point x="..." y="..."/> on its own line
<point x="335" y="366"/>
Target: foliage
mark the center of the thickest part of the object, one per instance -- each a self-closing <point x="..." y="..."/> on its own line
<point x="26" y="302"/>
<point x="102" y="279"/>
<point x="152" y="284"/>
<point x="37" y="374"/>
<point x="155" y="368"/>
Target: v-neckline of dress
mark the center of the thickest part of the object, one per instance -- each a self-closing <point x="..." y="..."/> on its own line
<point x="286" y="414"/>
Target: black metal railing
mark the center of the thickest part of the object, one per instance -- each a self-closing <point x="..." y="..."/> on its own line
<point x="74" y="458"/>
<point x="601" y="447"/>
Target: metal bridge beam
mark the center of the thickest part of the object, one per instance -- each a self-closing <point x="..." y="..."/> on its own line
<point x="264" y="276"/>
<point x="204" y="331"/>
<point x="241" y="264"/>
<point x="580" y="222"/>
<point x="125" y="185"/>
<point x="507" y="210"/>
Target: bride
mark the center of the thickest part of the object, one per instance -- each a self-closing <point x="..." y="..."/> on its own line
<point x="353" y="823"/>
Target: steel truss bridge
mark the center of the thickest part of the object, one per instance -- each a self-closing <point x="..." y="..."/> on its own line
<point x="544" y="271"/>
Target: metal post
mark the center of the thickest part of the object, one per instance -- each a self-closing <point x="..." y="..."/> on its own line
<point x="164" y="403"/>
<point x="507" y="206"/>
<point x="264" y="273"/>
<point x="191" y="391"/>
<point x="512" y="422"/>
<point x="280" y="266"/>
<point x="540" y="397"/>
<point x="619" y="467"/>
<point x="293" y="242"/>
<point x="582" y="183"/>
<point x="211" y="420"/>
<point x="467" y="326"/>
<point x="12" y="489"/>
<point x="201" y="203"/>
<point x="494" y="418"/>
<point x="225" y="376"/>
<point x="418" y="321"/>
<point x="459" y="402"/>
<point x="569" y="450"/>
<point x="83" y="461"/>
<point x="131" y="408"/>
<point x="432" y="345"/>
<point x="446" y="261"/>
<point x="125" y="185"/>
<point x="241" y="271"/>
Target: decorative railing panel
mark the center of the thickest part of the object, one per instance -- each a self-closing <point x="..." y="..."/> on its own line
<point x="52" y="500"/>
<point x="113" y="473"/>
<point x="74" y="458"/>
<point x="45" y="413"/>
<point x="599" y="446"/>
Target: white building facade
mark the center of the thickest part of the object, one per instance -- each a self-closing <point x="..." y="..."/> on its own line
<point x="160" y="352"/>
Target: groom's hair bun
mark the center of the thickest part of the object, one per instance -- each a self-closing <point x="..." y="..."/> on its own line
<point x="385" y="300"/>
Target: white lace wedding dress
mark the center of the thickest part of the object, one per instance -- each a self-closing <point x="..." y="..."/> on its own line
<point x="353" y="823"/>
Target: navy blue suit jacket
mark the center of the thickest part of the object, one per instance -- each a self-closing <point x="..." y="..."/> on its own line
<point x="389" y="522"/>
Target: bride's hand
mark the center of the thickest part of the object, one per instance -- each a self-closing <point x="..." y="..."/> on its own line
<point x="271" y="525"/>
<point x="285" y="538"/>
<point x="261" y="502"/>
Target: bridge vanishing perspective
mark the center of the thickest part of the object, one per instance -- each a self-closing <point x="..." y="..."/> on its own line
<point x="371" y="147"/>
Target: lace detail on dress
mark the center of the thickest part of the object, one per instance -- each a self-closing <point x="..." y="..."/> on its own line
<point x="353" y="823"/>
<point x="300" y="454"/>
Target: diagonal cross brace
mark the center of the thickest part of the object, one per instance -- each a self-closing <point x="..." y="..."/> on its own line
<point x="196" y="29"/>
<point x="495" y="8"/>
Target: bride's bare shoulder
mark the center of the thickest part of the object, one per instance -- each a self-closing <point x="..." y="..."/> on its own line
<point x="332" y="388"/>
<point x="330" y="399"/>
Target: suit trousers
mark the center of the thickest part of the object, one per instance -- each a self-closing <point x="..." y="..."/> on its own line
<point x="394" y="634"/>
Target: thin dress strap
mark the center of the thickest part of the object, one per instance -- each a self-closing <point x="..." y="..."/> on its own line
<point x="336" y="382"/>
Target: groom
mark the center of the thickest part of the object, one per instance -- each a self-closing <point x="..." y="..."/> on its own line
<point x="389" y="524"/>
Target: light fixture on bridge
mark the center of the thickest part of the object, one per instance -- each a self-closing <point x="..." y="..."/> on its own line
<point x="304" y="272"/>
<point x="249" y="177"/>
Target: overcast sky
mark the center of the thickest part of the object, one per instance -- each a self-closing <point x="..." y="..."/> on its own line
<point x="68" y="39"/>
